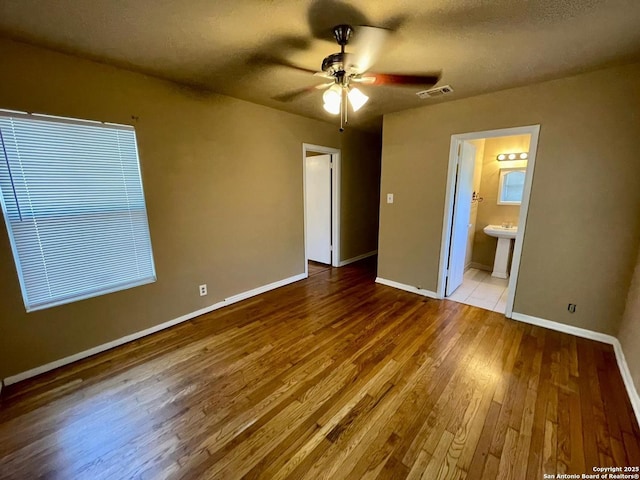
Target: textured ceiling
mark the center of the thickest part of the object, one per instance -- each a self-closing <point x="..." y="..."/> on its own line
<point x="224" y="45"/>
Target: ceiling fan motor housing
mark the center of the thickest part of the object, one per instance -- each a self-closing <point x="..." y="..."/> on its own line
<point x="334" y="64"/>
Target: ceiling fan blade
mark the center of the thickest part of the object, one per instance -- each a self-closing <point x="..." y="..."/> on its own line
<point x="323" y="75"/>
<point x="367" y="80"/>
<point x="272" y="60"/>
<point x="295" y="94"/>
<point x="398" y="79"/>
<point x="366" y="46"/>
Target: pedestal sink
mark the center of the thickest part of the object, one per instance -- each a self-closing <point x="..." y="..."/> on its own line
<point x="505" y="235"/>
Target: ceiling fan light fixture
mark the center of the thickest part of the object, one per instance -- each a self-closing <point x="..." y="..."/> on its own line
<point x="332" y="108"/>
<point x="356" y="98"/>
<point x="332" y="99"/>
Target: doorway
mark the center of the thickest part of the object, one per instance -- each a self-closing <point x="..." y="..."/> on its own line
<point x="321" y="190"/>
<point x="488" y="188"/>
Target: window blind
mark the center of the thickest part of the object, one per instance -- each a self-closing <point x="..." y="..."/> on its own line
<point x="74" y="207"/>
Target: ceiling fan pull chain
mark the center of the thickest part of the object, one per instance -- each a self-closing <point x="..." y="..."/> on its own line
<point x="345" y="102"/>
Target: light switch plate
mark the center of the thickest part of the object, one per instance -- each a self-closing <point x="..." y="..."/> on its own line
<point x="389" y="197"/>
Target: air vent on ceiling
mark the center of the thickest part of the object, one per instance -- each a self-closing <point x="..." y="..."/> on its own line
<point x="435" y="92"/>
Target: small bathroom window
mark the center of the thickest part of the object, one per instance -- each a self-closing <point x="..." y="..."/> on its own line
<point x="511" y="186"/>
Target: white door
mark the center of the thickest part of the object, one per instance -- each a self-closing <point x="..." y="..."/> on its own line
<point x="461" y="213"/>
<point x="318" y="208"/>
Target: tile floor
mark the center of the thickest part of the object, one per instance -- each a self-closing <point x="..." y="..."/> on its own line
<point x="482" y="290"/>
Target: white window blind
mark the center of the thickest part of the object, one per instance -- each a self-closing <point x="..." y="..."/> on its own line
<point x="74" y="207"/>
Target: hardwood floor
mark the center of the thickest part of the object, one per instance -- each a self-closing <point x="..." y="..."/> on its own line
<point x="317" y="267"/>
<point x="331" y="377"/>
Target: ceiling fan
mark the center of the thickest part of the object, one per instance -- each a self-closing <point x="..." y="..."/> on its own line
<point x="347" y="69"/>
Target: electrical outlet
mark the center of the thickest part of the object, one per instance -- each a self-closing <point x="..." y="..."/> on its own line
<point x="203" y="290"/>
<point x="572" y="308"/>
<point x="389" y="197"/>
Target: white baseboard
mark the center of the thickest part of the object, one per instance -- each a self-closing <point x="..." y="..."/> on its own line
<point x="359" y="257"/>
<point x="406" y="288"/>
<point x="563" y="327"/>
<point x="627" y="378"/>
<point x="265" y="288"/>
<point x="634" y="398"/>
<point x="156" y="328"/>
<point x="481" y="266"/>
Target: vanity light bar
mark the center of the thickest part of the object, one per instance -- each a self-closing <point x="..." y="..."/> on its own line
<point x="512" y="156"/>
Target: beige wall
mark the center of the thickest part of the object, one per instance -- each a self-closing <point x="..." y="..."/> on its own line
<point x="223" y="184"/>
<point x="630" y="329"/>
<point x="584" y="217"/>
<point x="489" y="212"/>
<point x="360" y="190"/>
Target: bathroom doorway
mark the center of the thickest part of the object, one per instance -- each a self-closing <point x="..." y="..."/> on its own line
<point x="488" y="187"/>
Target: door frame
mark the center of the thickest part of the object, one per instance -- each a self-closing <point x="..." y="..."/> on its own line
<point x="335" y="200"/>
<point x="456" y="140"/>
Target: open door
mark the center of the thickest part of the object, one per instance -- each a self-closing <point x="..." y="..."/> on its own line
<point x="461" y="214"/>
<point x="318" y="208"/>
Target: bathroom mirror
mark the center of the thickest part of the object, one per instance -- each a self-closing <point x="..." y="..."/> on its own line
<point x="511" y="186"/>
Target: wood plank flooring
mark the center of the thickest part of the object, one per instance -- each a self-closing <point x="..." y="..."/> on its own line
<point x="332" y="377"/>
<point x="317" y="267"/>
